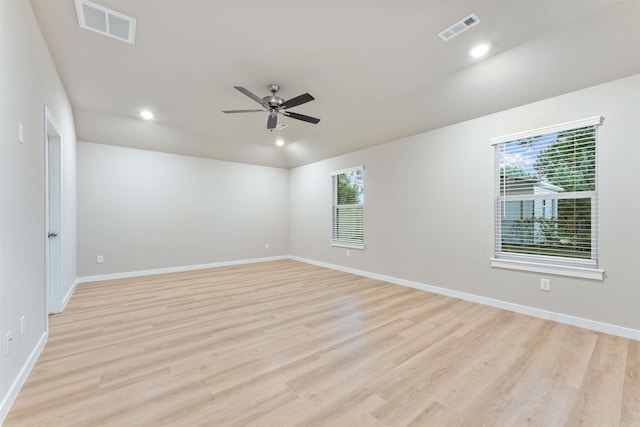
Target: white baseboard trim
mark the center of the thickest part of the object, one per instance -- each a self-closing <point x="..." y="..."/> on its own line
<point x="67" y="297"/>
<point x="129" y="274"/>
<point x="16" y="386"/>
<point x="606" y="328"/>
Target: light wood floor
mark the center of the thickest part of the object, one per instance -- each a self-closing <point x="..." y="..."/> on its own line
<point x="289" y="344"/>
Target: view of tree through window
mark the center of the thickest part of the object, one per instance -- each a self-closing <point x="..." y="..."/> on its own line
<point x="546" y="203"/>
<point x="348" y="207"/>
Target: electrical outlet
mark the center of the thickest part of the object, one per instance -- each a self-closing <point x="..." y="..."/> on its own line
<point x="99" y="259"/>
<point x="545" y="284"/>
<point x="20" y="133"/>
<point x="7" y="348"/>
<point x="22" y="326"/>
<point x="266" y="246"/>
<point x="348" y="253"/>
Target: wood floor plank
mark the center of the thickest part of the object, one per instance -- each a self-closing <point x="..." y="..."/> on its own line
<point x="631" y="393"/>
<point x="285" y="343"/>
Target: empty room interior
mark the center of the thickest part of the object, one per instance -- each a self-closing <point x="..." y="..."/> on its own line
<point x="330" y="213"/>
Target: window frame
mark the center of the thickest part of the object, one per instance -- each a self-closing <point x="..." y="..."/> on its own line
<point x="335" y="241"/>
<point x="547" y="264"/>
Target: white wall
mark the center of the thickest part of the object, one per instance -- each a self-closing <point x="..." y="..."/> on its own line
<point x="28" y="82"/>
<point x="429" y="208"/>
<point x="144" y="210"/>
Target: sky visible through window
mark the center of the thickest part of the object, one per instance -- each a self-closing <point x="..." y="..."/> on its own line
<point x="521" y="155"/>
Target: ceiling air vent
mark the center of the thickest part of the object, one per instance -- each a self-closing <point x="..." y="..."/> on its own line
<point x="105" y="21"/>
<point x="459" y="27"/>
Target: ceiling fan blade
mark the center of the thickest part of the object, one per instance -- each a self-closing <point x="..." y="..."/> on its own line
<point x="252" y="96"/>
<point x="298" y="100"/>
<point x="241" y="111"/>
<point x="272" y="121"/>
<point x="302" y="117"/>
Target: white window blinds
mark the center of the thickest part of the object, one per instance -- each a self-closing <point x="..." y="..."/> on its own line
<point x="546" y="194"/>
<point x="348" y="207"/>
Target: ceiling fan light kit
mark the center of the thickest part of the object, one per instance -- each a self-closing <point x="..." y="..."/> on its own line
<point x="274" y="105"/>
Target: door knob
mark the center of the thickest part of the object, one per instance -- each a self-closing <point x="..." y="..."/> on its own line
<point x="52" y="235"/>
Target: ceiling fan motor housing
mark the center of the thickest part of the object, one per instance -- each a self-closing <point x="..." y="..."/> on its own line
<point x="273" y="100"/>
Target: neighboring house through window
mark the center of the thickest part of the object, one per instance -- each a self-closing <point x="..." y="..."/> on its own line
<point x="348" y="208"/>
<point x="546" y="203"/>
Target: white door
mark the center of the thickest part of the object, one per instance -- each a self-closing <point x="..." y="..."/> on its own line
<point x="53" y="204"/>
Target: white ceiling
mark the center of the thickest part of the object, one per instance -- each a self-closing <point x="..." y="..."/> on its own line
<point x="377" y="68"/>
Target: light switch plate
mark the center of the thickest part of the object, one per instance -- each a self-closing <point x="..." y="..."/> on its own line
<point x="20" y="133"/>
<point x="7" y="348"/>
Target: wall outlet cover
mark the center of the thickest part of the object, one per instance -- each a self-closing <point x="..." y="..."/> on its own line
<point x="545" y="284"/>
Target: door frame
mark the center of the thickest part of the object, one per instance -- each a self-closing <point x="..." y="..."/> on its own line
<point x="53" y="215"/>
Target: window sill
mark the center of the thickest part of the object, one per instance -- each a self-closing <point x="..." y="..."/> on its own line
<point x="347" y="245"/>
<point x="538" y="267"/>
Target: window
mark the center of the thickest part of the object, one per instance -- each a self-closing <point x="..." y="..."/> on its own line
<point x="348" y="208"/>
<point x="546" y="203"/>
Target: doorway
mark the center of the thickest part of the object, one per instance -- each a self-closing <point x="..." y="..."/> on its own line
<point x="53" y="215"/>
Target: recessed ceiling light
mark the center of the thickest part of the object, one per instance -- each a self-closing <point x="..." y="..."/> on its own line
<point x="480" y="50"/>
<point x="146" y="114"/>
<point x="279" y="143"/>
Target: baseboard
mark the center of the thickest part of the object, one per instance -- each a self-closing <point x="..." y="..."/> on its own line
<point x="606" y="328"/>
<point x="67" y="297"/>
<point x="129" y="274"/>
<point x="16" y="386"/>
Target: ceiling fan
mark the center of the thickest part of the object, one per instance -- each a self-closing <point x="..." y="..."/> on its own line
<point x="275" y="105"/>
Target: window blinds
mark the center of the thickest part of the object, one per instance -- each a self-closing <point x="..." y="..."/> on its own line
<point x="546" y="194"/>
<point x="348" y="207"/>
